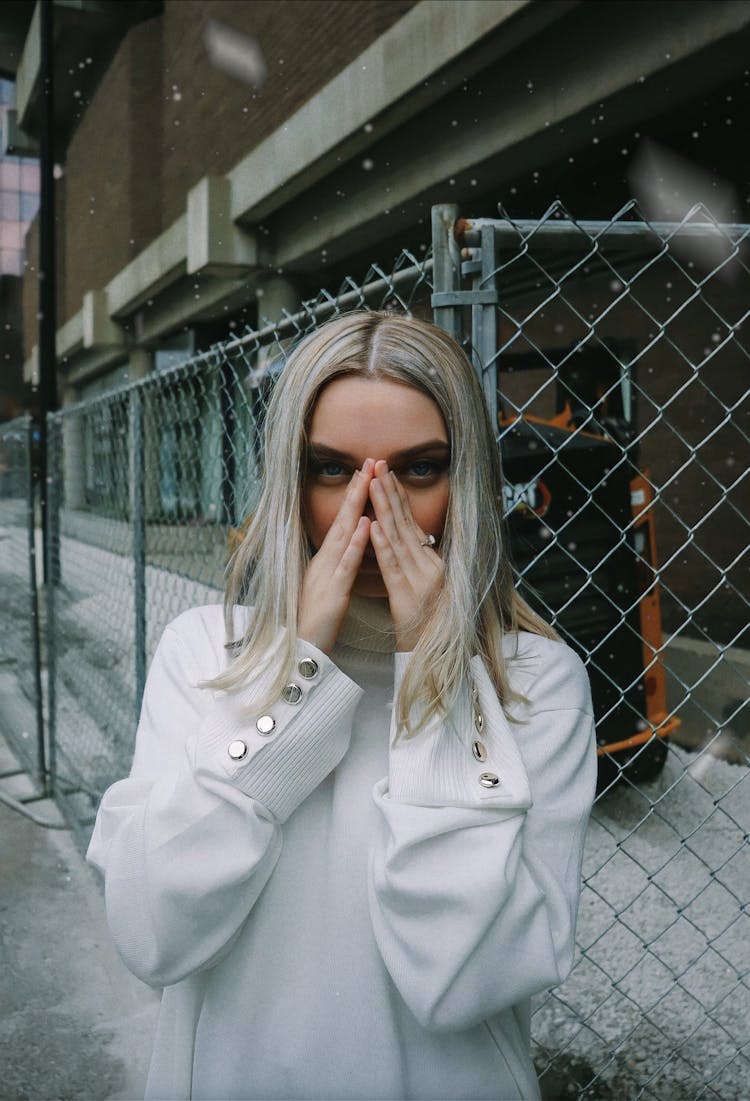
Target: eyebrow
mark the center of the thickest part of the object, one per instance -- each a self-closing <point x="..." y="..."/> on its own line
<point x="322" y="450"/>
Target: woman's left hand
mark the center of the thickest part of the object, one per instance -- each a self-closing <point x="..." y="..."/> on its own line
<point x="413" y="573"/>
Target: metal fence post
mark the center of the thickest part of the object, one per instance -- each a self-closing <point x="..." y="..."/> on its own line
<point x="484" y="323"/>
<point x="52" y="472"/>
<point x="446" y="272"/>
<point x="41" y="755"/>
<point x="139" y="544"/>
<point x="449" y="300"/>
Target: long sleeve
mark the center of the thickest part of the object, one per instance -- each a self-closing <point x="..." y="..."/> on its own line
<point x="475" y="876"/>
<point x="187" y="843"/>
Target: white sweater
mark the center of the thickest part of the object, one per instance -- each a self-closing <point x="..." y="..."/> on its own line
<point x="334" y="915"/>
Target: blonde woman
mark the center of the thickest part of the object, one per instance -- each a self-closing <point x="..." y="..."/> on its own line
<point x="350" y="845"/>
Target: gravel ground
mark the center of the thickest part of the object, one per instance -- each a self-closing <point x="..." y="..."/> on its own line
<point x="658" y="1004"/>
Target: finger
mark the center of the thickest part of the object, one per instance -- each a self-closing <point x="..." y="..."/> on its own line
<point x="352" y="507"/>
<point x="388" y="558"/>
<point x="393" y="510"/>
<point x="387" y="479"/>
<point x="404" y="501"/>
<point x="416" y="534"/>
<point x="384" y="511"/>
<point x="401" y="514"/>
<point x="351" y="559"/>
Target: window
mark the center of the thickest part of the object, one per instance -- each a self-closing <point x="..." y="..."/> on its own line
<point x="10" y="206"/>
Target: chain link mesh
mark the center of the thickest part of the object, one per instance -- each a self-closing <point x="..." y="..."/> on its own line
<point x="20" y="703"/>
<point x="623" y="382"/>
<point x="623" y="401"/>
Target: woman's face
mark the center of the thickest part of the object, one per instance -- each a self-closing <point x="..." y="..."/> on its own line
<point x="358" y="418"/>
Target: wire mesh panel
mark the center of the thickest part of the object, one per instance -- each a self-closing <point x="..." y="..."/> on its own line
<point x="20" y="685"/>
<point x="615" y="355"/>
<point x="151" y="485"/>
<point x="613" y="359"/>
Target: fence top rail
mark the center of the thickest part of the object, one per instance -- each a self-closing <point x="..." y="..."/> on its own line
<point x="553" y="232"/>
<point x="288" y="325"/>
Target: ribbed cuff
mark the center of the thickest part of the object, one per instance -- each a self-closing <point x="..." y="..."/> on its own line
<point x="451" y="762"/>
<point x="309" y="738"/>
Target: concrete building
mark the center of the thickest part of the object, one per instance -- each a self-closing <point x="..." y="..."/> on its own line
<point x="221" y="161"/>
<point x="185" y="189"/>
<point x="19" y="202"/>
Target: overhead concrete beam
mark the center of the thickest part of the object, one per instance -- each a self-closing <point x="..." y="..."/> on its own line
<point x="92" y="362"/>
<point x="27" y="74"/>
<point x="215" y="245"/>
<point x="565" y="83"/>
<point x="182" y="304"/>
<point x="99" y="331"/>
<point x="161" y="263"/>
<point x="69" y="337"/>
<point x="394" y="67"/>
<point x="16" y="143"/>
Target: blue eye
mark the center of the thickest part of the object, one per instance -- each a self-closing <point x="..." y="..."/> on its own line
<point x="422" y="468"/>
<point x="331" y="469"/>
<point x="328" y="469"/>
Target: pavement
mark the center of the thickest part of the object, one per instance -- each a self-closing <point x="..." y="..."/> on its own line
<point x="74" y="1023"/>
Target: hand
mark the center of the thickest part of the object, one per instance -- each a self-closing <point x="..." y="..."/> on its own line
<point x="328" y="580"/>
<point x="413" y="574"/>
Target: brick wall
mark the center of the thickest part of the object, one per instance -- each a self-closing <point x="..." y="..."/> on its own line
<point x="163" y="117"/>
<point x="30" y="288"/>
<point x="217" y="119"/>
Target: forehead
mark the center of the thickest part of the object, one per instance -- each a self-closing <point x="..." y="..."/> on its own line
<point x="355" y="414"/>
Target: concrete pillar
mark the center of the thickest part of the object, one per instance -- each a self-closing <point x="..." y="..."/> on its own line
<point x="73" y="454"/>
<point x="276" y="294"/>
<point x="140" y="362"/>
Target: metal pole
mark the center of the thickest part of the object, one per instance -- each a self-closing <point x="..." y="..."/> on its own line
<point x="139" y="545"/>
<point x="561" y="232"/>
<point x="484" y="324"/>
<point x="46" y="269"/>
<point x="228" y="457"/>
<point x="446" y="271"/>
<point x="51" y="556"/>
<point x="41" y="756"/>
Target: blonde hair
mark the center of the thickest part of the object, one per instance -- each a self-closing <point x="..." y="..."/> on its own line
<point x="478" y="603"/>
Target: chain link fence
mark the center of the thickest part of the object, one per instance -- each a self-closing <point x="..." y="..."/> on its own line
<point x="21" y="715"/>
<point x="150" y="485"/>
<point x="613" y="358"/>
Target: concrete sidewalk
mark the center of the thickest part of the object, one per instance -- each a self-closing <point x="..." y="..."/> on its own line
<point x="74" y="1023"/>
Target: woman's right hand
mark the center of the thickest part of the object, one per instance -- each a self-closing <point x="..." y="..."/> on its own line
<point x="328" y="580"/>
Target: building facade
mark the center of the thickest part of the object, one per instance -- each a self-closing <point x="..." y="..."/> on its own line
<point x="19" y="202"/>
<point x="220" y="162"/>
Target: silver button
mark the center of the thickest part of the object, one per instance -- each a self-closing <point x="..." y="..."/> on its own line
<point x="308" y="668"/>
<point x="479" y="721"/>
<point x="237" y="750"/>
<point x="292" y="693"/>
<point x="489" y="780"/>
<point x="479" y="751"/>
<point x="265" y="725"/>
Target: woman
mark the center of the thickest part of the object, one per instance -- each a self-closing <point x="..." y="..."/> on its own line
<point x="350" y="845"/>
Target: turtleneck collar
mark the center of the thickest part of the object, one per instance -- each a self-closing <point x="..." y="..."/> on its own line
<point x="368" y="626"/>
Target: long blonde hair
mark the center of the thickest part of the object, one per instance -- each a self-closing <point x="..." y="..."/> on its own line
<point x="478" y="603"/>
